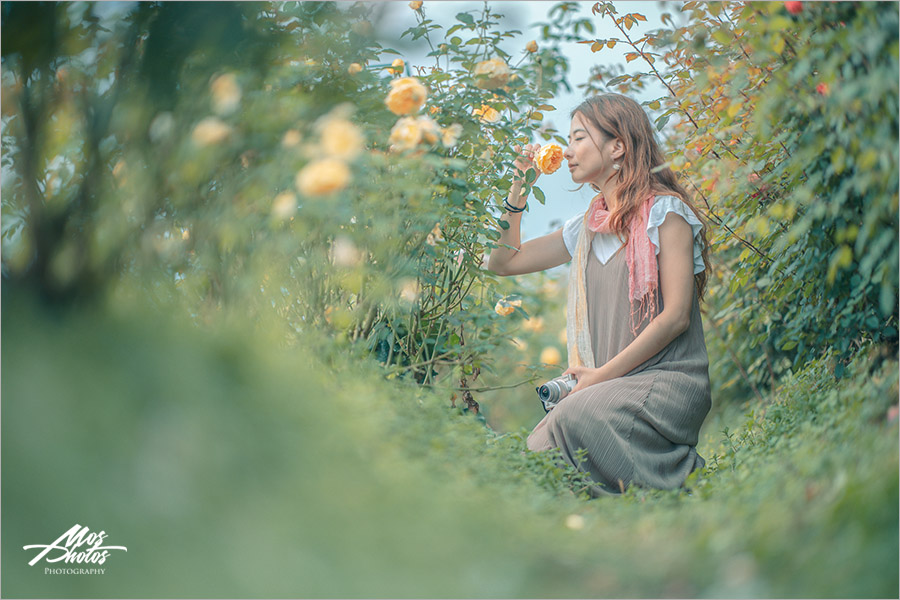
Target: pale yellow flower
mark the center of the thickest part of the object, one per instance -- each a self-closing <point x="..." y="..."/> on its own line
<point x="341" y="138"/>
<point x="284" y="206"/>
<point x="487" y="114"/>
<point x="435" y="236"/>
<point x="407" y="96"/>
<point x="344" y="252"/>
<point x="322" y="177"/>
<point x="563" y="336"/>
<point x="492" y="73"/>
<point x="575" y="522"/>
<point x="430" y="130"/>
<point x="210" y="131"/>
<point x="531" y="46"/>
<point x="226" y="94"/>
<point x="291" y="138"/>
<point x="551" y="356"/>
<point x="354" y="68"/>
<point x="409" y="290"/>
<point x="535" y="324"/>
<point x="405" y="134"/>
<point x="450" y="134"/>
<point x="415" y="4"/>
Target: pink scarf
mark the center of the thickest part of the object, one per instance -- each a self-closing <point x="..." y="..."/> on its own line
<point x="643" y="277"/>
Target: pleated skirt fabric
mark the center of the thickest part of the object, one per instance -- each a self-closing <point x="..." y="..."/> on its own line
<point x="642" y="428"/>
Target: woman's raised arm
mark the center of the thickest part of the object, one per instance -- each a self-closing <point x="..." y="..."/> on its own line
<point x="534" y="255"/>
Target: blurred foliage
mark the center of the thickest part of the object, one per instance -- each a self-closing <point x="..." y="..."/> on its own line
<point x="784" y="125"/>
<point x="242" y="470"/>
<point x="142" y="158"/>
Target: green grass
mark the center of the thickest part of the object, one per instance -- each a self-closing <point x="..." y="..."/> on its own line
<point x="231" y="468"/>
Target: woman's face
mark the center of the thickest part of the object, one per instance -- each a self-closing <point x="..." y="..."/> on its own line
<point x="589" y="153"/>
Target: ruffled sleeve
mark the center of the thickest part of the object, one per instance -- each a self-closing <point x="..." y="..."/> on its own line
<point x="663" y="206"/>
<point x="570" y="230"/>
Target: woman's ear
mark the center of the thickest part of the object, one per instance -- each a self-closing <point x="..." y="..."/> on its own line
<point x="618" y="149"/>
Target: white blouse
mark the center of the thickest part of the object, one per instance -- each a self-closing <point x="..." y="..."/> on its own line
<point x="605" y="245"/>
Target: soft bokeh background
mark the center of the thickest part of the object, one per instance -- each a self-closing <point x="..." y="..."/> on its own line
<point x="247" y="331"/>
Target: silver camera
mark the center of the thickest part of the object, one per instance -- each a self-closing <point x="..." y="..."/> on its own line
<point x="555" y="390"/>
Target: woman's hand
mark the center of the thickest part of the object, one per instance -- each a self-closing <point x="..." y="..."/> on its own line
<point x="525" y="161"/>
<point x="585" y="376"/>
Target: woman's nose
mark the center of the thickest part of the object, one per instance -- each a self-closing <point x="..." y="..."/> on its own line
<point x="567" y="153"/>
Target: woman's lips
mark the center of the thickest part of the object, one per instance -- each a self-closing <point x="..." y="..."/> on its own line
<point x="572" y="165"/>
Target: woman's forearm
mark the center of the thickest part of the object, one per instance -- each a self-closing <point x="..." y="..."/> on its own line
<point x="510" y="236"/>
<point x="658" y="334"/>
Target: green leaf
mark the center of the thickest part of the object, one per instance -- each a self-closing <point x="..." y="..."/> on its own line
<point x="465" y="18"/>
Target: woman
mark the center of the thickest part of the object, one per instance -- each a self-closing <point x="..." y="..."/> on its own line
<point x="635" y="337"/>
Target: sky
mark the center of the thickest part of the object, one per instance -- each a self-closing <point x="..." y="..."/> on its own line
<point x="562" y="202"/>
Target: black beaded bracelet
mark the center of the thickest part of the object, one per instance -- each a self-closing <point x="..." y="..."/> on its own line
<point x="512" y="209"/>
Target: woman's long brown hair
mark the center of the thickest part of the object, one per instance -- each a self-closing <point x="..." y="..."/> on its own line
<point x="641" y="173"/>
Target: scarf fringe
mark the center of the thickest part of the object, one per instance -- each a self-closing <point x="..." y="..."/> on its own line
<point x="643" y="279"/>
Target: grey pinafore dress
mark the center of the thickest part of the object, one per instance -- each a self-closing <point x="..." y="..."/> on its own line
<point x="641" y="428"/>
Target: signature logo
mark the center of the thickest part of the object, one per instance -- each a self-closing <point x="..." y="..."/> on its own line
<point x="77" y="545"/>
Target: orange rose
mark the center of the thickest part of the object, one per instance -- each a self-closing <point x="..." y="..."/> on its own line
<point x="407" y="96"/>
<point x="354" y="68"/>
<point x="397" y="66"/>
<point x="531" y="46"/>
<point x="549" y="158"/>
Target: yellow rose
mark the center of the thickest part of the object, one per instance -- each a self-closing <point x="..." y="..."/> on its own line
<point x="284" y="206"/>
<point x="506" y="307"/>
<point x="407" y="96"/>
<point x="450" y="134"/>
<point x="226" y="94"/>
<point x="341" y="139"/>
<point x="435" y="236"/>
<point x="549" y="158"/>
<point x="550" y="356"/>
<point x="344" y="252"/>
<point x="535" y="325"/>
<point x="354" y="68"/>
<point x="322" y="177"/>
<point x="409" y="290"/>
<point x="406" y="134"/>
<point x="491" y="74"/>
<point x="210" y="131"/>
<point x="487" y="114"/>
<point x="397" y="66"/>
<point x="415" y="4"/>
<point x="291" y="138"/>
<point x="430" y="130"/>
<point x="531" y="46"/>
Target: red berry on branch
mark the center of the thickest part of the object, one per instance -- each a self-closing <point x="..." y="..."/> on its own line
<point x="795" y="8"/>
<point x="822" y="88"/>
